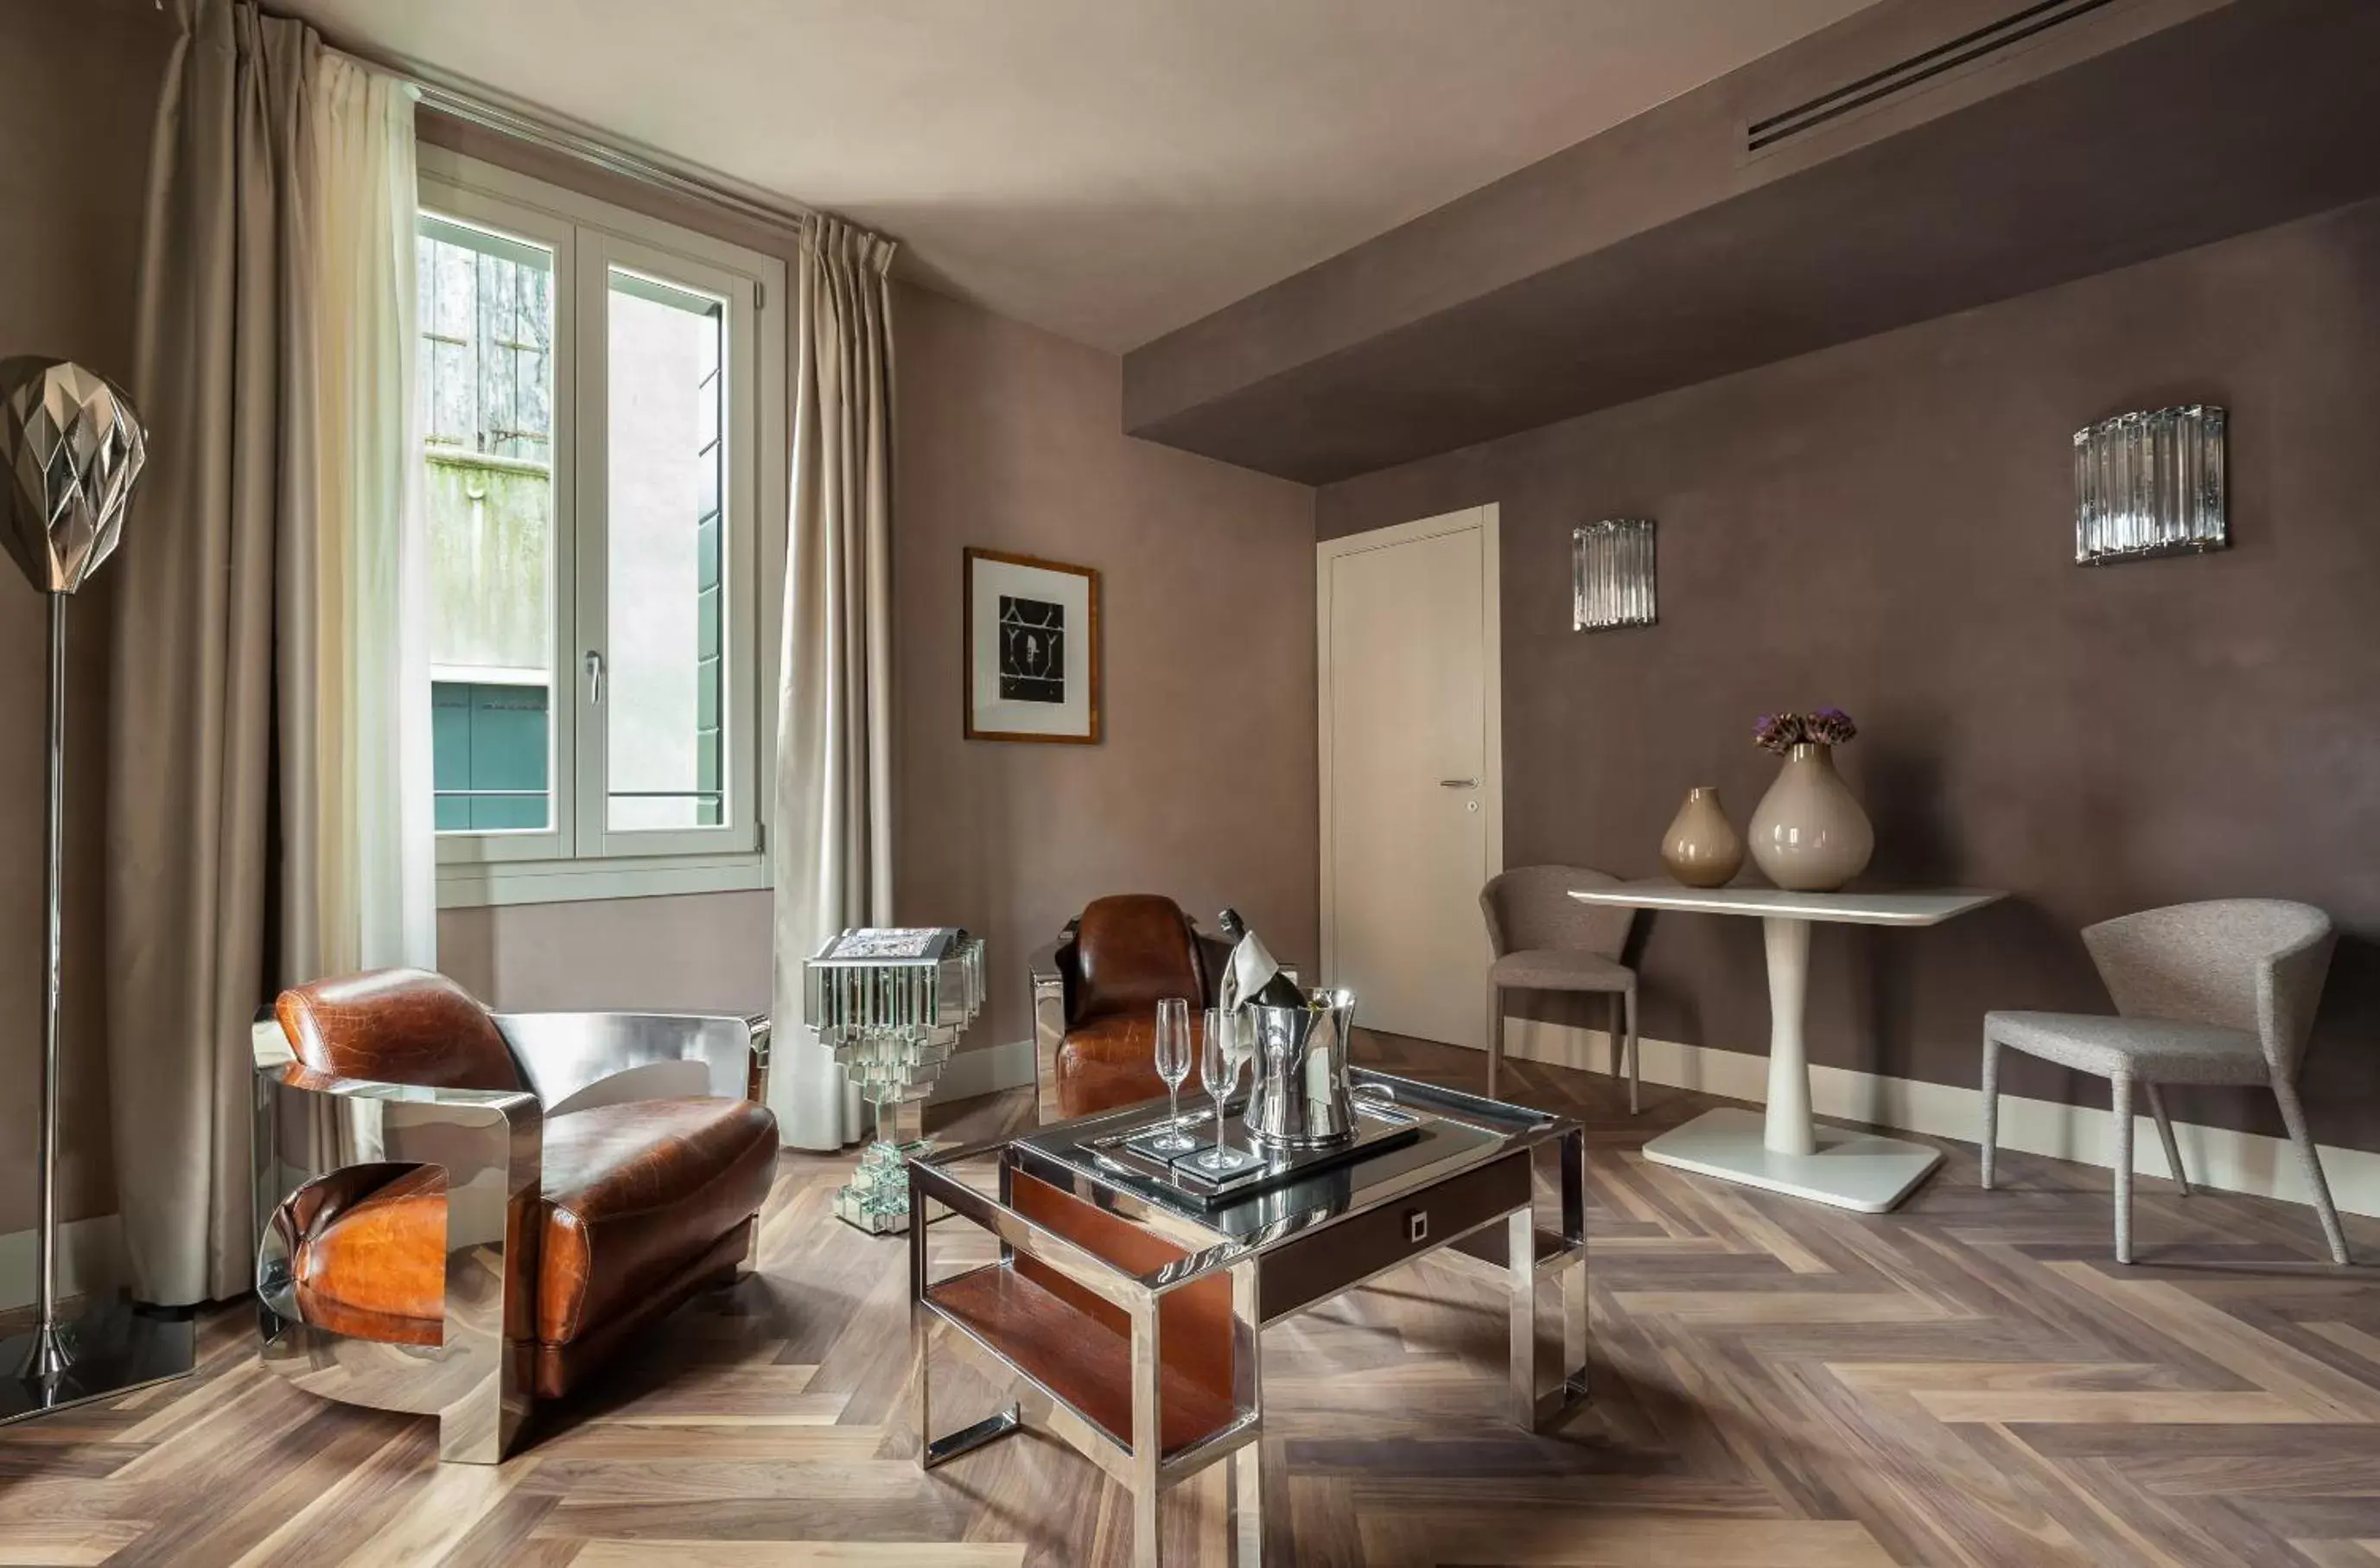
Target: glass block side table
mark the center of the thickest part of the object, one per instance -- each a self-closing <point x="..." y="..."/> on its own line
<point x="891" y="1002"/>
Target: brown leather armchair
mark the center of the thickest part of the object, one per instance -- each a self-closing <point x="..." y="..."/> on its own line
<point x="459" y="1211"/>
<point x="1095" y="995"/>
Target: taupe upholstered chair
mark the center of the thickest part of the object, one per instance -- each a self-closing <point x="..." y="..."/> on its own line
<point x="2222" y="992"/>
<point x="1544" y="940"/>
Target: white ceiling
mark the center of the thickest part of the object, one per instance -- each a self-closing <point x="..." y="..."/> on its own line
<point x="1109" y="169"/>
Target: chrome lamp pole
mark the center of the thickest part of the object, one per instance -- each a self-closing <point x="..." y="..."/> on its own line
<point x="70" y="447"/>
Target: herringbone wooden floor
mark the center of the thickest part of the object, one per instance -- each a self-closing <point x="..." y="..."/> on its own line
<point x="1967" y="1381"/>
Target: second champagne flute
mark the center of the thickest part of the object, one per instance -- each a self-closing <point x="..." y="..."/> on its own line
<point x="1174" y="1067"/>
<point x="1219" y="1072"/>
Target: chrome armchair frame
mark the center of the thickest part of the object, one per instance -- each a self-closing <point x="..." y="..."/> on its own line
<point x="318" y="1136"/>
<point x="1048" y="982"/>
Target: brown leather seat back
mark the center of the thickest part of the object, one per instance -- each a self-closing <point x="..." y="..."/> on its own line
<point x="397" y="1026"/>
<point x="1130" y="951"/>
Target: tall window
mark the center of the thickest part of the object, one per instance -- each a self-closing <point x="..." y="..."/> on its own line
<point x="594" y="389"/>
<point x="487" y="318"/>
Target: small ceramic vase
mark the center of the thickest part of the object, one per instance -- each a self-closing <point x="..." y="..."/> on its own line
<point x="1808" y="834"/>
<point x="1701" y="848"/>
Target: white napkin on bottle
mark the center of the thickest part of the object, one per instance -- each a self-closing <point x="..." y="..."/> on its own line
<point x="1250" y="969"/>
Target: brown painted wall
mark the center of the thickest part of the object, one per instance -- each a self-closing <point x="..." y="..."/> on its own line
<point x="1886" y="525"/>
<point x="78" y="90"/>
<point x="1205" y="785"/>
<point x="1009" y="437"/>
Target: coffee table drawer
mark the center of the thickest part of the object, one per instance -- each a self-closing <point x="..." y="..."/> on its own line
<point x="1336" y="1256"/>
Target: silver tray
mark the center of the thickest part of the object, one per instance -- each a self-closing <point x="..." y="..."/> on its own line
<point x="1380" y="1127"/>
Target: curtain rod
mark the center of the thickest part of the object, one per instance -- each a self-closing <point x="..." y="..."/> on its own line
<point x="498" y="111"/>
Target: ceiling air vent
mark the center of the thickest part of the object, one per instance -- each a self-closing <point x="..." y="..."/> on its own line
<point x="1981" y="43"/>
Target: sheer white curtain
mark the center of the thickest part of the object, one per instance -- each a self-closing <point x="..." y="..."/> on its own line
<point x="834" y="792"/>
<point x="372" y="852"/>
<point x="261" y="825"/>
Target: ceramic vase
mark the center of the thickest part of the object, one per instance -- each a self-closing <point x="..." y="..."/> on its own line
<point x="1808" y="834"/>
<point x="1701" y="848"/>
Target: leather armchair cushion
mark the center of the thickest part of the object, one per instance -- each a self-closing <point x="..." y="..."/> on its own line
<point x="399" y="1026"/>
<point x="1129" y="952"/>
<point x="633" y="1193"/>
<point x="376" y="1268"/>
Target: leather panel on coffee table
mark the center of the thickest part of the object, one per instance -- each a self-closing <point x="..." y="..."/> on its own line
<point x="1076" y="1356"/>
<point x="1301" y="1272"/>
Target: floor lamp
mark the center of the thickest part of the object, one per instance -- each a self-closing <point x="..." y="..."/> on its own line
<point x="70" y="447"/>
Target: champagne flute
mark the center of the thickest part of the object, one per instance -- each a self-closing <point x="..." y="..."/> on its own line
<point x="1219" y="1072"/>
<point x="1174" y="1067"/>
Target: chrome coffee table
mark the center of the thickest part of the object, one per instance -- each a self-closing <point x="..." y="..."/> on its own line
<point x="1127" y="1303"/>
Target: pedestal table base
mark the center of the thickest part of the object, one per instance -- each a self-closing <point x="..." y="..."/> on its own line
<point x="1850" y="1170"/>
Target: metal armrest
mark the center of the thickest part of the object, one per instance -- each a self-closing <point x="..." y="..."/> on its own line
<point x="316" y="1135"/>
<point x="1049" y="1026"/>
<point x="577" y="1060"/>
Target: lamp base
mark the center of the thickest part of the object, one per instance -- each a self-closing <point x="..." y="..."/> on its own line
<point x="875" y="1199"/>
<point x="111" y="1347"/>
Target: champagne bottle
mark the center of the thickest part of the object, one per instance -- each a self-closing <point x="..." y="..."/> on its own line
<point x="1254" y="977"/>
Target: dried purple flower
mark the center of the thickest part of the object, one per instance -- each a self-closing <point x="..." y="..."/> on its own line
<point x="1781" y="733"/>
<point x="1832" y="726"/>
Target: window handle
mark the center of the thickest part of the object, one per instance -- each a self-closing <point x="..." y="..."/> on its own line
<point x="594" y="675"/>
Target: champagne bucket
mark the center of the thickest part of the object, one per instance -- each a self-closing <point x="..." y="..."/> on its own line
<point x="1299" y="1057"/>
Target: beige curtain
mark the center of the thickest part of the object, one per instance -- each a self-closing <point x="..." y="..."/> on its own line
<point x="833" y="791"/>
<point x="269" y="296"/>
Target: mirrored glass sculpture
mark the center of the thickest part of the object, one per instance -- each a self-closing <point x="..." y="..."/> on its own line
<point x="891" y="1002"/>
<point x="1611" y="572"/>
<point x="70" y="447"/>
<point x="2150" y="484"/>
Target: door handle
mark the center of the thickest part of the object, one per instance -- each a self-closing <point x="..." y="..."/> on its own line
<point x="1458" y="784"/>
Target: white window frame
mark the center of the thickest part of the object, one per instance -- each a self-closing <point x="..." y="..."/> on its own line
<point x="579" y="857"/>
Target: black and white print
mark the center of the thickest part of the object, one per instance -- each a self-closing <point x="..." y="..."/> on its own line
<point x="1032" y="650"/>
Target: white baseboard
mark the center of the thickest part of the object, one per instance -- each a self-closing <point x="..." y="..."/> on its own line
<point x="90" y="1258"/>
<point x="971" y="1072"/>
<point x="2215" y="1157"/>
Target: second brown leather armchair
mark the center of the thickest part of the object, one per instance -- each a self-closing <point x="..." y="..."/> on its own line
<point x="1095" y="996"/>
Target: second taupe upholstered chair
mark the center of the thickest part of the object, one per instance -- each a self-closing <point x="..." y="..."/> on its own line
<point x="2222" y="992"/>
<point x="1544" y="940"/>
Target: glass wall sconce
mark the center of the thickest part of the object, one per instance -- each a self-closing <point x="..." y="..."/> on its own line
<point x="1611" y="573"/>
<point x="2150" y="484"/>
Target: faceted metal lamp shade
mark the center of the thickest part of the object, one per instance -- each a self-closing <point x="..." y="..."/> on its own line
<point x="71" y="446"/>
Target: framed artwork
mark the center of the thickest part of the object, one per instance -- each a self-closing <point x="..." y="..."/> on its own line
<point x="1032" y="649"/>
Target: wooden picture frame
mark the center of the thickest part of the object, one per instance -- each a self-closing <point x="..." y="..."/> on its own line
<point x="1030" y="655"/>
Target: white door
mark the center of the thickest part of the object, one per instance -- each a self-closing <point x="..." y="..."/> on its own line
<point x="1411" y="796"/>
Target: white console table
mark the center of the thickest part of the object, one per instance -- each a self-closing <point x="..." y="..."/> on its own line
<point x="1786" y="1151"/>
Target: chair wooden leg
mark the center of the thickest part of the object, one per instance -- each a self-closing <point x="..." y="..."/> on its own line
<point x="1991" y="1104"/>
<point x="1636" y="1046"/>
<point x="1494" y="1037"/>
<point x="2301" y="1138"/>
<point x="2121" y="1094"/>
<point x="2165" y="1135"/>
